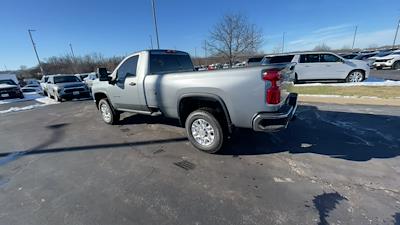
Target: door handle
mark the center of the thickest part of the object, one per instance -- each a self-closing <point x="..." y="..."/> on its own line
<point x="132" y="84"/>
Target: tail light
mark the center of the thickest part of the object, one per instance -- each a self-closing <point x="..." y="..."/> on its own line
<point x="273" y="93"/>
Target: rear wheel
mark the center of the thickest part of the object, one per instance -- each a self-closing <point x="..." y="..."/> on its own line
<point x="355" y="76"/>
<point x="204" y="131"/>
<point x="396" y="65"/>
<point x="108" y="114"/>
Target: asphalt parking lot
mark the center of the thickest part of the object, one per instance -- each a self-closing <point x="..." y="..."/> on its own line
<point x="385" y="74"/>
<point x="335" y="164"/>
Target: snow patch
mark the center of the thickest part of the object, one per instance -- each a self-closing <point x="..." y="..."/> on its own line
<point x="340" y="96"/>
<point x="28" y="97"/>
<point x="283" y="180"/>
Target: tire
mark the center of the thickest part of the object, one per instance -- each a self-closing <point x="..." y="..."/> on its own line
<point x="204" y="131"/>
<point x="396" y="65"/>
<point x="355" y="76"/>
<point x="108" y="113"/>
<point x="57" y="99"/>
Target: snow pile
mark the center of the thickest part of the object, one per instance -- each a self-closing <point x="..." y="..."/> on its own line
<point x="37" y="102"/>
<point x="28" y="97"/>
<point x="383" y="83"/>
<point x="18" y="109"/>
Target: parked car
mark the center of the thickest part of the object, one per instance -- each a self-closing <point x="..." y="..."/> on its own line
<point x="208" y="103"/>
<point x="43" y="83"/>
<point x="349" y="56"/>
<point x="255" y="61"/>
<point x="31" y="81"/>
<point x="372" y="59"/>
<point x="67" y="87"/>
<point x="90" y="79"/>
<point x="365" y="56"/>
<point x="323" y="66"/>
<point x="32" y="88"/>
<point x="9" y="89"/>
<point x="392" y="61"/>
<point x="82" y="76"/>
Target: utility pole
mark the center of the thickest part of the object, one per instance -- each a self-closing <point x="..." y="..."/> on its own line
<point x="283" y="42"/>
<point x="34" y="48"/>
<point x="205" y="52"/>
<point x="155" y="22"/>
<point x="354" y="38"/>
<point x="395" y="36"/>
<point x="72" y="50"/>
<point x="151" y="41"/>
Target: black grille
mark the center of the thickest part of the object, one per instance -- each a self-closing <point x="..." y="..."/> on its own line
<point x="73" y="89"/>
<point x="381" y="60"/>
<point x="7" y="90"/>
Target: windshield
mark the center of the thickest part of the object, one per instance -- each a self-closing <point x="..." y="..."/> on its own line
<point x="161" y="63"/>
<point x="65" y="79"/>
<point x="9" y="82"/>
<point x="382" y="54"/>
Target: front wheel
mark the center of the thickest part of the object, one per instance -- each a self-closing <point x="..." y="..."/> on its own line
<point x="204" y="131"/>
<point x="355" y="76"/>
<point x="396" y="65"/>
<point x="109" y="115"/>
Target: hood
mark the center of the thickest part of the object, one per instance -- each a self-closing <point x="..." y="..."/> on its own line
<point x="70" y="84"/>
<point x="7" y="86"/>
<point x="385" y="57"/>
<point x="357" y="62"/>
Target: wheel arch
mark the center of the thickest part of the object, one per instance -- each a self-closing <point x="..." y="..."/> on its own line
<point x="98" y="96"/>
<point x="187" y="103"/>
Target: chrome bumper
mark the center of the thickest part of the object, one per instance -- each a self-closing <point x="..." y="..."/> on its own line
<point x="272" y="122"/>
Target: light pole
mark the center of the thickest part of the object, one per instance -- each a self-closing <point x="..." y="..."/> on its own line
<point x="283" y="42"/>
<point x="34" y="48"/>
<point x="395" y="36"/>
<point x="354" y="38"/>
<point x="72" y="50"/>
<point x="155" y="22"/>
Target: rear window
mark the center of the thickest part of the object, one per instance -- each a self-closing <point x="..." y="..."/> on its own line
<point x="278" y="59"/>
<point x="168" y="62"/>
<point x="255" y="60"/>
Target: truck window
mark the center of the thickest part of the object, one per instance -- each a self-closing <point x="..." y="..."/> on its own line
<point x="127" y="69"/>
<point x="162" y="63"/>
<point x="309" y="58"/>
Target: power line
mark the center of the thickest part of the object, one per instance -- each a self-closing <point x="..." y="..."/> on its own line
<point x="34" y="48"/>
<point x="155" y="22"/>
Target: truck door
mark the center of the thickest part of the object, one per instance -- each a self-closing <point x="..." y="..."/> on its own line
<point x="124" y="92"/>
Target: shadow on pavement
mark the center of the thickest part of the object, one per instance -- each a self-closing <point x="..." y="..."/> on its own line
<point x="350" y="136"/>
<point x="325" y="203"/>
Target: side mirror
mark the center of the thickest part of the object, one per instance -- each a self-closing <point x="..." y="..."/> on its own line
<point x="103" y="74"/>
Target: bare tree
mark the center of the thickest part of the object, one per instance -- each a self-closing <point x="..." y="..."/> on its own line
<point x="234" y="36"/>
<point x="322" y="47"/>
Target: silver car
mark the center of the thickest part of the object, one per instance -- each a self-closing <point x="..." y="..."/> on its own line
<point x="62" y="87"/>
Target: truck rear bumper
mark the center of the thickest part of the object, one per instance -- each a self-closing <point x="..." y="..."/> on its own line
<point x="271" y="122"/>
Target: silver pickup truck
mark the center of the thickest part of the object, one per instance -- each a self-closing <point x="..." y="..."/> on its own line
<point x="209" y="104"/>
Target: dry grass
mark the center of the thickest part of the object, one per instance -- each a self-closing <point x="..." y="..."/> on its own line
<point x="373" y="91"/>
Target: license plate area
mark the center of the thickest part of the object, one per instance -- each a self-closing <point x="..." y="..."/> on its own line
<point x="5" y="95"/>
<point x="75" y="92"/>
